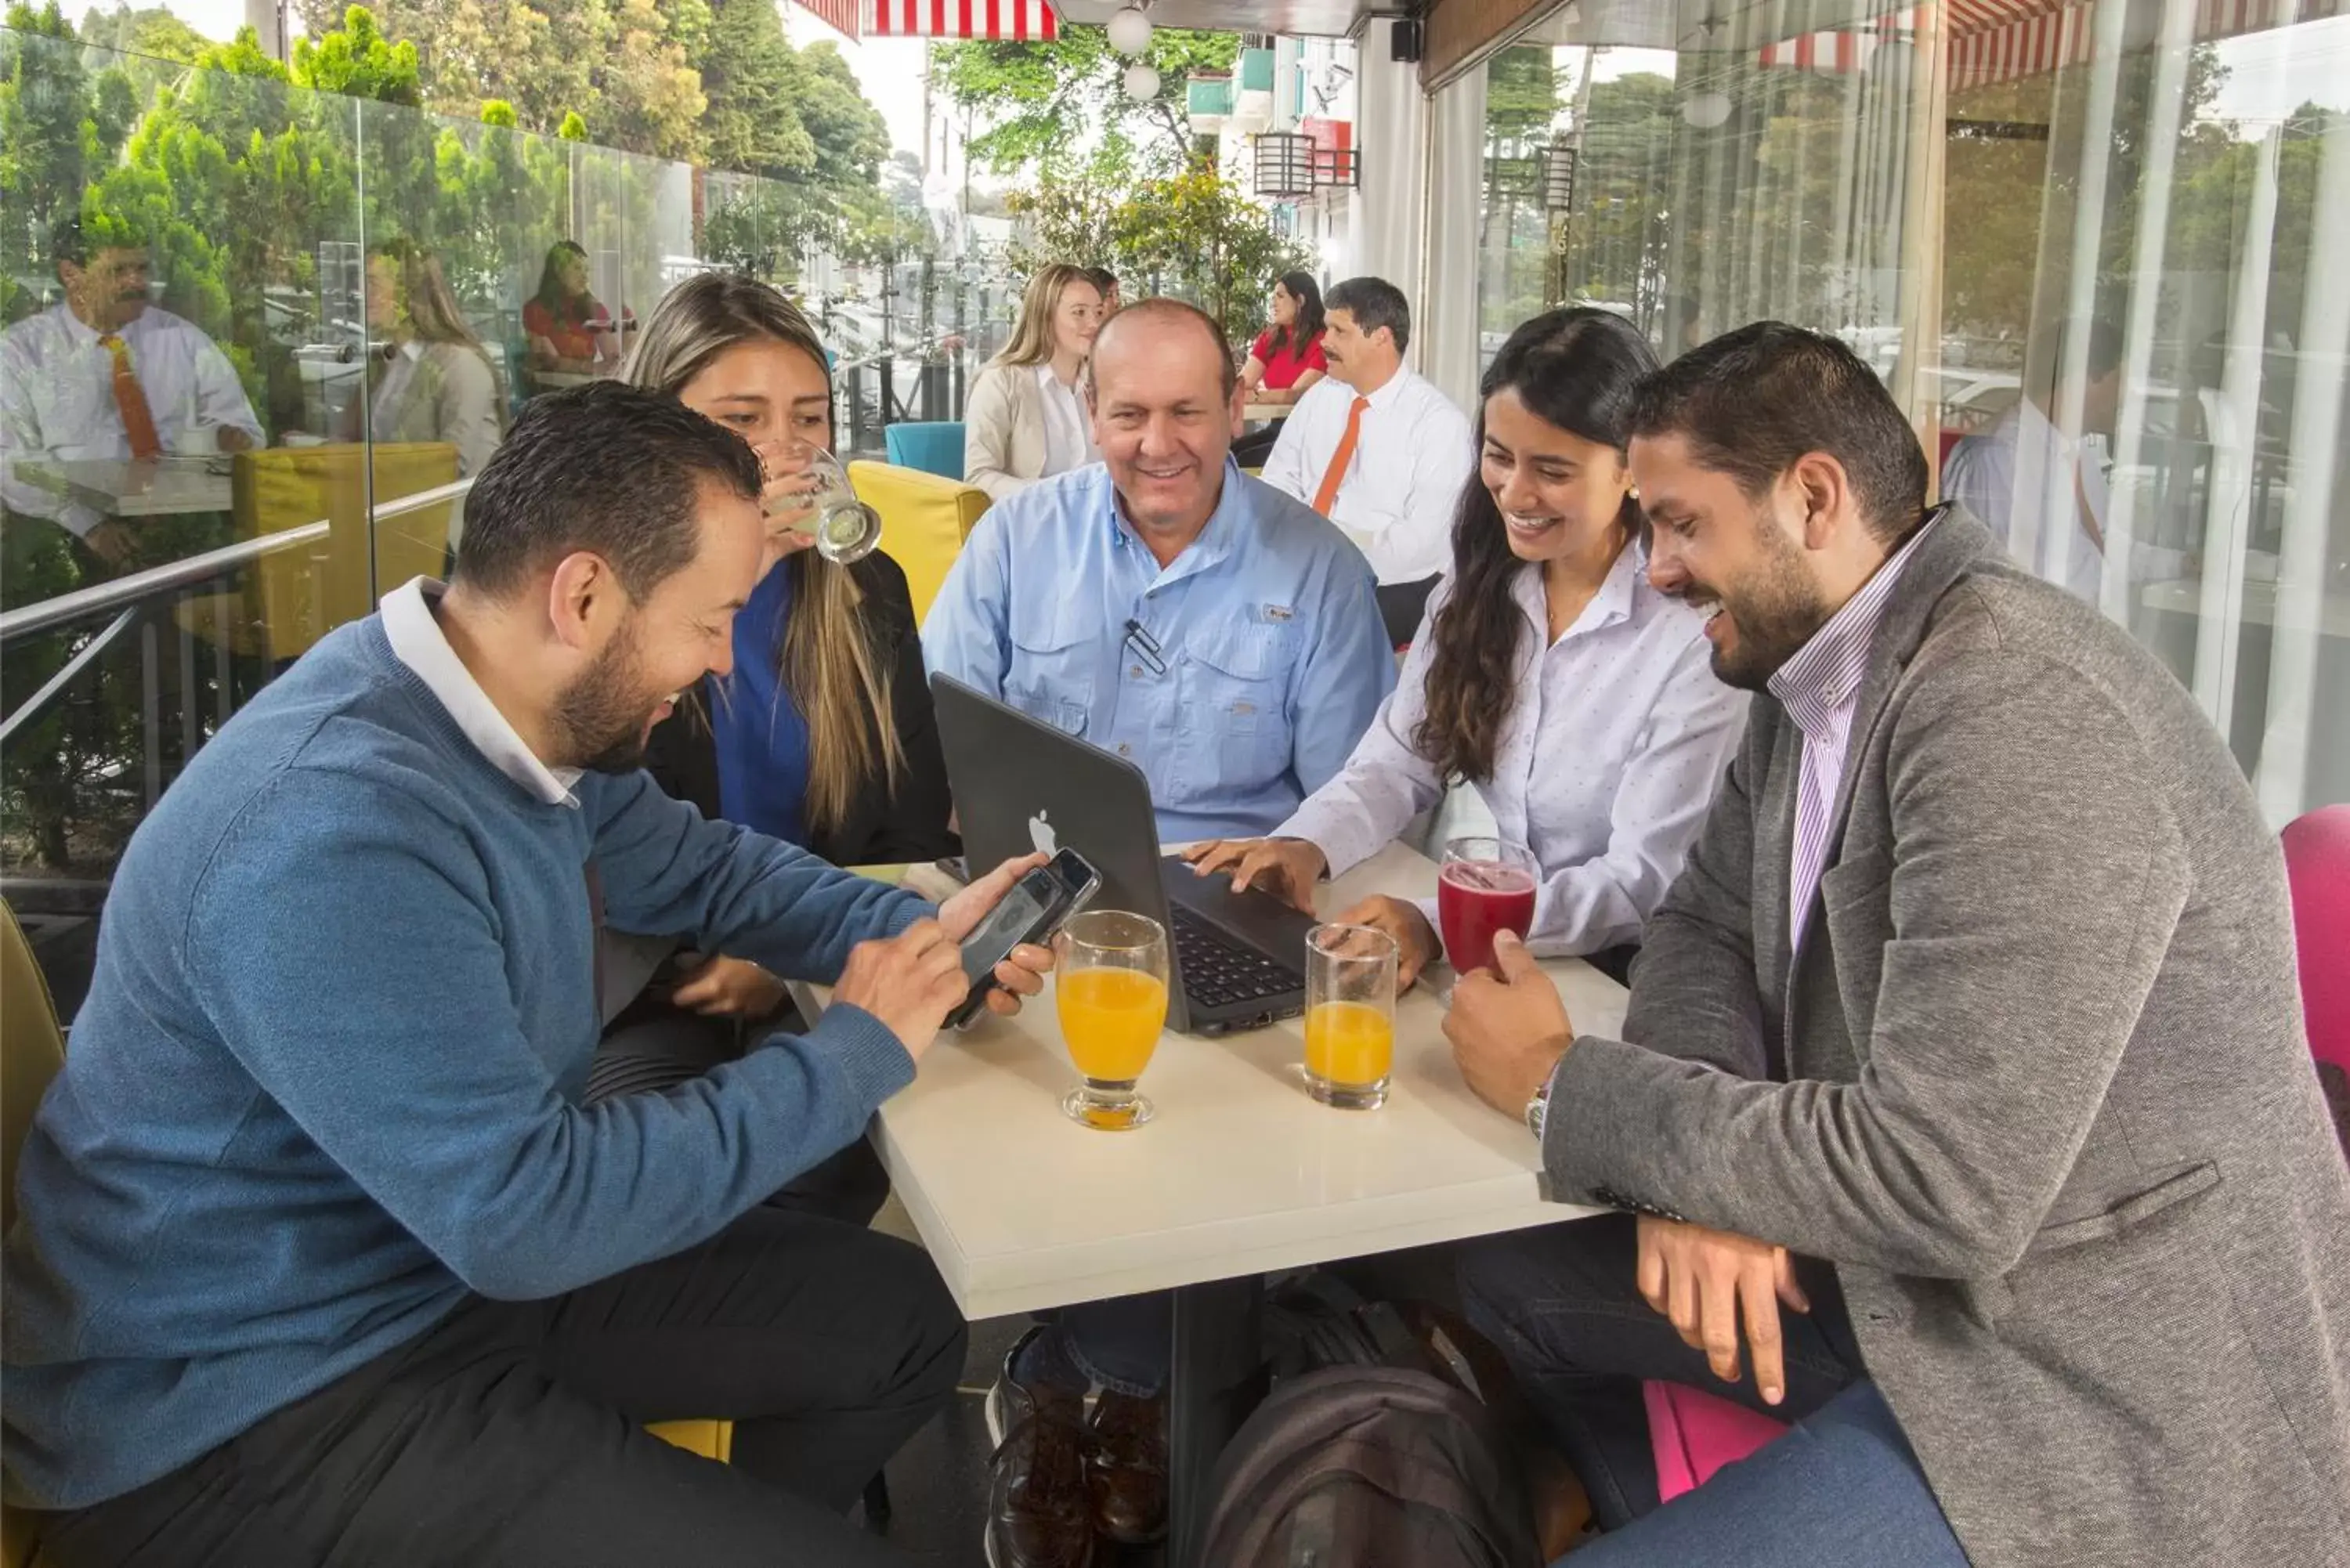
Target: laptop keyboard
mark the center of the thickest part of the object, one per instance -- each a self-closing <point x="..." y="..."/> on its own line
<point x="1220" y="972"/>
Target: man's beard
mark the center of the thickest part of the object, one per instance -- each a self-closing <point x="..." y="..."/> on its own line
<point x="1772" y="614"/>
<point x="602" y="716"/>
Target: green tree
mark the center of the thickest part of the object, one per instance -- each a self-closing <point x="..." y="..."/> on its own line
<point x="1191" y="234"/>
<point x="627" y="65"/>
<point x="358" y="62"/>
<point x="50" y="143"/>
<point x="750" y="72"/>
<point x="1521" y="94"/>
<point x="153" y="32"/>
<point x="1043" y="102"/>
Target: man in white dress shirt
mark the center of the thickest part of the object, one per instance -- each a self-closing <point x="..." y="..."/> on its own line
<point x="1378" y="450"/>
<point x="104" y="374"/>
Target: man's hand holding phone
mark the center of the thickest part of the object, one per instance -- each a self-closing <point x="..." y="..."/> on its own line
<point x="909" y="981"/>
<point x="1022" y="973"/>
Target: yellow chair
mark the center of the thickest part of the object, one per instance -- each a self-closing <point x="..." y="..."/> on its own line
<point x="924" y="520"/>
<point x="287" y="601"/>
<point x="32" y="1049"/>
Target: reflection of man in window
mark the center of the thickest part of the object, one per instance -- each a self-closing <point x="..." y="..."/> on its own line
<point x="2014" y="468"/>
<point x="104" y="374"/>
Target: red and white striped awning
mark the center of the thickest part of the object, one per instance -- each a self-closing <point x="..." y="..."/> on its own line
<point x="1014" y="20"/>
<point x="2005" y="40"/>
<point x="840" y="15"/>
<point x="1842" y="51"/>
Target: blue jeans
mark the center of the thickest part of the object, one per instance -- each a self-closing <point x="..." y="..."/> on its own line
<point x="1124" y="1343"/>
<point x="1842" y="1488"/>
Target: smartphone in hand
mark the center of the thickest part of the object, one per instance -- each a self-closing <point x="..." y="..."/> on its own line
<point x="1038" y="905"/>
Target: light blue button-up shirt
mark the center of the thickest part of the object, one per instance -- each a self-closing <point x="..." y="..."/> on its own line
<point x="1259" y="663"/>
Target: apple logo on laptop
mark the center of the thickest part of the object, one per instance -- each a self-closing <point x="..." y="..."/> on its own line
<point x="1041" y="834"/>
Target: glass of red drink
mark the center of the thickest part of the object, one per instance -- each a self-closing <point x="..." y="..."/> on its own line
<point x="1486" y="886"/>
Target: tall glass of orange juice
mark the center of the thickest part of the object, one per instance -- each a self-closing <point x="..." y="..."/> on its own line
<point x="1109" y="984"/>
<point x="1350" y="998"/>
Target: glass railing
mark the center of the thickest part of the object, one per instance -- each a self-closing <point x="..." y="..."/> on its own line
<point x="245" y="321"/>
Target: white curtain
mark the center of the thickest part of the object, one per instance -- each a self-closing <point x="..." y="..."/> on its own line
<point x="1445" y="310"/>
<point x="1387" y="210"/>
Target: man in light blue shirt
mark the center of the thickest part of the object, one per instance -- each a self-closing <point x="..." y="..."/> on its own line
<point x="1161" y="605"/>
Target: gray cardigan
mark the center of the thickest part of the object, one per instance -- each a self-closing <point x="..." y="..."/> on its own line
<point x="2038" y="1087"/>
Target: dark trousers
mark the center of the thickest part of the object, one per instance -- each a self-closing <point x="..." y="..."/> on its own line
<point x="514" y="1433"/>
<point x="1252" y="450"/>
<point x="1841" y="1490"/>
<point x="1563" y="1304"/>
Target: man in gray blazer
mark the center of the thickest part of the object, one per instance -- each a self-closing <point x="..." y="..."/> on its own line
<point x="1971" y="1036"/>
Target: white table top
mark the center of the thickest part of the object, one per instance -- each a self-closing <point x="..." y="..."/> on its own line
<point x="1240" y="1172"/>
<point x="120" y="487"/>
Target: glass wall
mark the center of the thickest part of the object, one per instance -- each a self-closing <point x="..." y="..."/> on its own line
<point x="2080" y="244"/>
<point x="233" y="309"/>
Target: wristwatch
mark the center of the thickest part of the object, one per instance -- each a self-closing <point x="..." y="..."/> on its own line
<point x="1538" y="1110"/>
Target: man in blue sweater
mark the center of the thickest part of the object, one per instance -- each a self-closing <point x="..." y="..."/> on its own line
<point x="320" y="1257"/>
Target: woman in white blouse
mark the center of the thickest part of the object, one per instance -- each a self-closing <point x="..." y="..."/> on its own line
<point x="1548" y="672"/>
<point x="1025" y="420"/>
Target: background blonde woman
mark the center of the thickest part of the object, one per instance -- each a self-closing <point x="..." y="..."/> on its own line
<point x="1025" y="420"/>
<point x="429" y="378"/>
<point x="823" y="734"/>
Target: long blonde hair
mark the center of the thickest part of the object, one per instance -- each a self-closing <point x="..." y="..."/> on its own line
<point x="828" y="663"/>
<point x="1032" y="342"/>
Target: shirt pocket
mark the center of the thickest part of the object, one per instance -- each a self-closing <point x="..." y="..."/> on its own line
<point x="1233" y="685"/>
<point x="1050" y="677"/>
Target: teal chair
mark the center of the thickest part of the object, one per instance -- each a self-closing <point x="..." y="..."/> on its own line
<point x="935" y="448"/>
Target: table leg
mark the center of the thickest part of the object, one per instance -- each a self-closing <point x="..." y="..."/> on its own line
<point x="1214" y="1381"/>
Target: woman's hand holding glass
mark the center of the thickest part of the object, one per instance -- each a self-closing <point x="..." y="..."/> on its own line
<point x="787" y="501"/>
<point x="1286" y="867"/>
<point x="1417" y="945"/>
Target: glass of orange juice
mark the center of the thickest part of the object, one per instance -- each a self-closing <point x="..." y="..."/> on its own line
<point x="1350" y="998"/>
<point x="1109" y="984"/>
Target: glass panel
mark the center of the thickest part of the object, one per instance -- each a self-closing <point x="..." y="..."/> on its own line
<point x="2144" y="371"/>
<point x="236" y="310"/>
<point x="2081" y="252"/>
<point x="180" y="295"/>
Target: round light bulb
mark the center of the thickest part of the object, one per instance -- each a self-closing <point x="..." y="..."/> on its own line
<point x="1142" y="82"/>
<point x="1707" y="111"/>
<point x="1130" y="31"/>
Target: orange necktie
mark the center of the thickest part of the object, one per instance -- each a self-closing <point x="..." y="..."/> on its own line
<point x="138" y="420"/>
<point x="1335" y="474"/>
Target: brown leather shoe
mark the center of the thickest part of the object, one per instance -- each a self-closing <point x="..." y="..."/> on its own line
<point x="1038" y="1515"/>
<point x="1126" y="1470"/>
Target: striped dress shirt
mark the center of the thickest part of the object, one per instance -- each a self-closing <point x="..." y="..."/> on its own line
<point x="1820" y="688"/>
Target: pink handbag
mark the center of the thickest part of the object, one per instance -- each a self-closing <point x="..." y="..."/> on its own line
<point x="1695" y="1434"/>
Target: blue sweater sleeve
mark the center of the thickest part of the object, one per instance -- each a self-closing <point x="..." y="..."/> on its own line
<point x="343" y="941"/>
<point x="667" y="871"/>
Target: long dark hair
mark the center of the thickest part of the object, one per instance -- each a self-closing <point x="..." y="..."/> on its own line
<point x="550" y="280"/>
<point x="1299" y="337"/>
<point x="1572" y="369"/>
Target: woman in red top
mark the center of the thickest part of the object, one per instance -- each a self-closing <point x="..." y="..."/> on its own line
<point x="1286" y="359"/>
<point x="567" y="330"/>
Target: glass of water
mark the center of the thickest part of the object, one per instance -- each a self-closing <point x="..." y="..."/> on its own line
<point x="844" y="527"/>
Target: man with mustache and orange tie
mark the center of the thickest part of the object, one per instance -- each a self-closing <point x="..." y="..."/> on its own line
<point x="104" y="374"/>
<point x="1378" y="450"/>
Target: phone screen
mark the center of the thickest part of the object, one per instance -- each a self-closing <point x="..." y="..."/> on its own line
<point x="1007" y="925"/>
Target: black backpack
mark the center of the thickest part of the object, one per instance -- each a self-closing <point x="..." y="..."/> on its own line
<point x="1383" y="1445"/>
